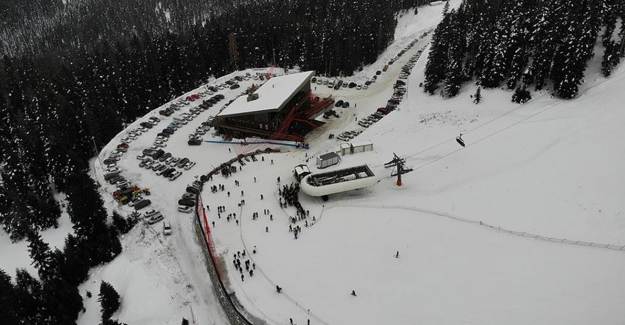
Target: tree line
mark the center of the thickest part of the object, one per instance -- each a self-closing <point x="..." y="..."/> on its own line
<point x="524" y="43"/>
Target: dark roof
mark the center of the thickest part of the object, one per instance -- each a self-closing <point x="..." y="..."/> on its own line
<point x="329" y="155"/>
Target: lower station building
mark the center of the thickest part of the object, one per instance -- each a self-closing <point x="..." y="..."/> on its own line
<point x="281" y="109"/>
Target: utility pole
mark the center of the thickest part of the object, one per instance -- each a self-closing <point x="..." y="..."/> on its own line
<point x="401" y="169"/>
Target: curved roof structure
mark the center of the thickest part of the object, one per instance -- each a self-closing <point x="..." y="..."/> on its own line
<point x="338" y="181"/>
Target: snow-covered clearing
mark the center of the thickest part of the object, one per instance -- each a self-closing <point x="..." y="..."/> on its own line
<point x="550" y="167"/>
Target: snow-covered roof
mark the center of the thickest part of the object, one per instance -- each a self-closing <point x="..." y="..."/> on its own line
<point x="276" y="92"/>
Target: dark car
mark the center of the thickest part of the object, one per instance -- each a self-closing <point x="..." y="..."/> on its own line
<point x="234" y="86"/>
<point x="165" y="156"/>
<point x="182" y="162"/>
<point x="345" y="104"/>
<point x="193" y="190"/>
<point x="142" y="204"/>
<point x="111" y="175"/>
<point x="339" y="103"/>
<point x="169" y="130"/>
<point x="352" y="85"/>
<point x="194" y="142"/>
<point x="158" y="154"/>
<point x="186" y="202"/>
<point x="168" y="172"/>
<point x="146" y="125"/>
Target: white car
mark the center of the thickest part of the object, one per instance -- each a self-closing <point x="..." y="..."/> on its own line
<point x="166" y="228"/>
<point x="185" y="209"/>
<point x="175" y="175"/>
<point x="189" y="165"/>
<point x="112" y="169"/>
<point x="155" y="218"/>
<point x="150" y="213"/>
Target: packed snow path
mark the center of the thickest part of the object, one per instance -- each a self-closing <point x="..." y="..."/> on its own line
<point x="563" y="241"/>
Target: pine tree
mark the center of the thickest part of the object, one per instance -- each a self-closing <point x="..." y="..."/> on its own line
<point x="446" y="7"/>
<point x="40" y="254"/>
<point x="477" y="98"/>
<point x="8" y="308"/>
<point x="109" y="300"/>
<point x="436" y="68"/>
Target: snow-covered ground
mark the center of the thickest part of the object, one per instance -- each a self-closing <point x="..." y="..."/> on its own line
<point x="15" y="255"/>
<point x="462" y="222"/>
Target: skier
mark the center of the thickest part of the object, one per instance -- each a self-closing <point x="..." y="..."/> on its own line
<point x="354" y="293"/>
<point x="278" y="289"/>
<point x="397" y="254"/>
<point x="460" y="140"/>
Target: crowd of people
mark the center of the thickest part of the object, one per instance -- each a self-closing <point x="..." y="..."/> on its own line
<point x="288" y="197"/>
<point x="249" y="265"/>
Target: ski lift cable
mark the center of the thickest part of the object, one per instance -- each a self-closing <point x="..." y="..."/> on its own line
<point x="486" y="137"/>
<point x="470" y="130"/>
<point x="413" y="156"/>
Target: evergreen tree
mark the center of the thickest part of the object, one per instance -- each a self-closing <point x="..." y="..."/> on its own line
<point x="477" y="98"/>
<point x="40" y="254"/>
<point x="8" y="308"/>
<point x="109" y="300"/>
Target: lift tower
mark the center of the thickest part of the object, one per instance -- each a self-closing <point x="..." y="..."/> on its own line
<point x="401" y="169"/>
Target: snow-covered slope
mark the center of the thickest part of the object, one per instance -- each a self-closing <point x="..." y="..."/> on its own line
<point x="492" y="233"/>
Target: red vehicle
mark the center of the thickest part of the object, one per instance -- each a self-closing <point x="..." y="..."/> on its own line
<point x="193" y="97"/>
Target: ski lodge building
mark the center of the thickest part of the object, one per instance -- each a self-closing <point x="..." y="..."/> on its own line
<point x="281" y="109"/>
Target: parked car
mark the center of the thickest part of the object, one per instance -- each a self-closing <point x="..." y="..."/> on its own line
<point x="166" y="228"/>
<point x="185" y="209"/>
<point x="186" y="202"/>
<point x="189" y="165"/>
<point x="142" y="204"/>
<point x="175" y="175"/>
<point x="194" y="142"/>
<point x="150" y="213"/>
<point x="154" y="219"/>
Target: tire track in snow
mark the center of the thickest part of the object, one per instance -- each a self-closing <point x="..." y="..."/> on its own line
<point x="563" y="241"/>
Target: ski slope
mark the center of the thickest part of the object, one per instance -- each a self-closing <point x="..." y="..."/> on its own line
<point x="547" y="169"/>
